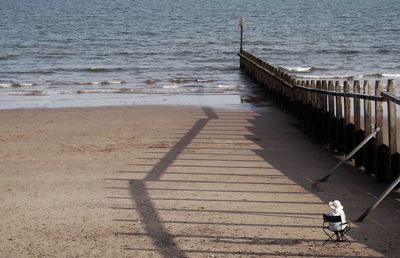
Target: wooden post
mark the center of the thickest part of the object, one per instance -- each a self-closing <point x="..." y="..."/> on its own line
<point x="318" y="115"/>
<point x="367" y="109"/>
<point x="275" y="90"/>
<point x="283" y="93"/>
<point x="304" y="105"/>
<point x="241" y="24"/>
<point x="309" y="109"/>
<point x="271" y="88"/>
<point x="358" y="134"/>
<point x="332" y="124"/>
<point x="297" y="94"/>
<point x="313" y="111"/>
<point x="379" y="166"/>
<point x="348" y="127"/>
<point x="324" y="97"/>
<point x="392" y="118"/>
<point x="347" y="111"/>
<point x="331" y="87"/>
<point x="368" y="150"/>
<point x="318" y="103"/>
<point x="325" y="115"/>
<point x="313" y="96"/>
<point x="294" y="94"/>
<point x="378" y="113"/>
<point x="357" y="111"/>
<point x="339" y="119"/>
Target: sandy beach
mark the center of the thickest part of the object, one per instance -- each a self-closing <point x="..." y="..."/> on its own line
<point x="177" y="181"/>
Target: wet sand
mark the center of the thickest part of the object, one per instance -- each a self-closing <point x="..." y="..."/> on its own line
<point x="169" y="181"/>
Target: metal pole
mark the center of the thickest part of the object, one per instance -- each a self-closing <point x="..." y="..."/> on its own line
<point x="383" y="195"/>
<point x="241" y="23"/>
<point x="351" y="154"/>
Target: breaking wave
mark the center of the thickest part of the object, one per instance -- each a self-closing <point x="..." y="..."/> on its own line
<point x="307" y="69"/>
<point x="383" y="75"/>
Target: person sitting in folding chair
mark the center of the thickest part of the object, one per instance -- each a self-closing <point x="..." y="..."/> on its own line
<point x="340" y="227"/>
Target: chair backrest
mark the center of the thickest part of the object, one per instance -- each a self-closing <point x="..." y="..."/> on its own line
<point x="328" y="218"/>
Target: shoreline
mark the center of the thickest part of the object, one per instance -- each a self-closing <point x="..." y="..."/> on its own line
<point x="227" y="100"/>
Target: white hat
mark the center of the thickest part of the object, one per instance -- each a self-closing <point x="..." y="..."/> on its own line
<point x="336" y="205"/>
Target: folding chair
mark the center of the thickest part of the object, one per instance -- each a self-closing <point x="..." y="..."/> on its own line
<point x="331" y="233"/>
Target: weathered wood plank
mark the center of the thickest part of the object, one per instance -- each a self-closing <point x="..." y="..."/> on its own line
<point x="331" y="99"/>
<point x="379" y="113"/>
<point x="339" y="109"/>
<point x="392" y="119"/>
<point x="368" y="151"/>
<point x="358" y="134"/>
<point x="378" y="148"/>
<point x="339" y="119"/>
<point x="392" y="122"/>
<point x="356" y="104"/>
<point x="367" y="109"/>
<point x="347" y="107"/>
<point x="324" y="97"/>
<point x="314" y="101"/>
<point x="332" y="120"/>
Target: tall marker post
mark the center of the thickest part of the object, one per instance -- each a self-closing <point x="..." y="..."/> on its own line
<point x="241" y="23"/>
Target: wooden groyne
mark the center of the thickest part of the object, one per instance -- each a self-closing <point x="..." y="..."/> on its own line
<point x="337" y="114"/>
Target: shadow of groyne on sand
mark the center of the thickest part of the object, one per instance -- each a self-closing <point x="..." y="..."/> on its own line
<point x="237" y="182"/>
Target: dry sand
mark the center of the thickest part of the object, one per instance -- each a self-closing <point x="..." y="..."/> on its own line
<point x="176" y="182"/>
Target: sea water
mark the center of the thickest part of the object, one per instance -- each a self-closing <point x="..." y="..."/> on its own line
<point x="65" y="49"/>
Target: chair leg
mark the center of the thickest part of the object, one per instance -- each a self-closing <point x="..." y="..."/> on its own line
<point x="330" y="239"/>
<point x="345" y="239"/>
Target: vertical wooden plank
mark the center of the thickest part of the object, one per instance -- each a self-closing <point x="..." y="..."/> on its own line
<point x="324" y="97"/>
<point x="347" y="111"/>
<point x="392" y="118"/>
<point x="379" y="113"/>
<point x="313" y="128"/>
<point x="294" y="94"/>
<point x="318" y="114"/>
<point x="308" y="85"/>
<point x="358" y="134"/>
<point x="304" y="103"/>
<point x="348" y="127"/>
<point x="280" y="89"/>
<point x="324" y="114"/>
<point x="367" y="109"/>
<point x="318" y="96"/>
<point x="380" y="160"/>
<point x="272" y="88"/>
<point x="356" y="104"/>
<point x="297" y="98"/>
<point x="313" y="95"/>
<point x="339" y="119"/>
<point x="285" y="94"/>
<point x="332" y="123"/>
<point x="331" y="87"/>
<point x="339" y="105"/>
<point x="368" y="149"/>
<point x="308" y="108"/>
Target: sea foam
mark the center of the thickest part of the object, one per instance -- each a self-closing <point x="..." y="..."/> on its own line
<point x="299" y="69"/>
